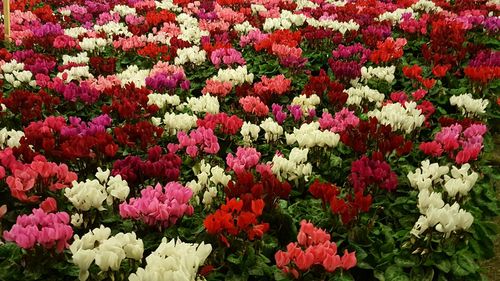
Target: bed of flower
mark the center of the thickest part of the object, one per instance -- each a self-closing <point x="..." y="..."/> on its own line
<point x="248" y="140"/>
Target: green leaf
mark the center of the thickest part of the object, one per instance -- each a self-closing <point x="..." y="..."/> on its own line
<point x="421" y="274"/>
<point x="395" y="273"/>
<point x="463" y="264"/>
<point x="406" y="260"/>
<point x="465" y="260"/>
<point x="443" y="265"/>
<point x="233" y="258"/>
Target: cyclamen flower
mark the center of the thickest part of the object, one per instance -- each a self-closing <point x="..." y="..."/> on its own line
<point x="174" y="260"/>
<point x="365" y="172"/>
<point x="37" y="175"/>
<point x="245" y="159"/>
<point x="451" y="139"/>
<point x="106" y="251"/>
<point x="228" y="125"/>
<point x="313" y="247"/>
<point x="226" y="56"/>
<point x="468" y="105"/>
<point x="237" y="216"/>
<point x="50" y="230"/>
<point x="217" y="88"/>
<point x="340" y="122"/>
<point x="269" y="86"/>
<point x="159" y="206"/>
<point x="201" y="138"/>
<point x="254" y="105"/>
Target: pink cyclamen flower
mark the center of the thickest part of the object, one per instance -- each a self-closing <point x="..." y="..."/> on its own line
<point x="160" y="206"/>
<point x="245" y="159"/>
<point x="50" y="230"/>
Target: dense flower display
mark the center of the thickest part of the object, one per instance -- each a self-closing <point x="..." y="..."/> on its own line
<point x="249" y="140"/>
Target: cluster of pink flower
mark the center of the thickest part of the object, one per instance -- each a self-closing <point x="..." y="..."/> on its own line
<point x="313" y="247"/>
<point x="467" y="144"/>
<point x="159" y="206"/>
<point x="46" y="229"/>
<point x="200" y="139"/>
<point x="226" y="56"/>
<point x="340" y="122"/>
<point x="245" y="159"/>
<point x="34" y="177"/>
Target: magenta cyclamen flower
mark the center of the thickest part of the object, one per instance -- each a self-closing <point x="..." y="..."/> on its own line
<point x="48" y="230"/>
<point x="159" y="206"/>
<point x="245" y="159"/>
<point x="366" y="172"/>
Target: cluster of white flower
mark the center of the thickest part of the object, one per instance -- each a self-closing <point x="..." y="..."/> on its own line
<point x="190" y="30"/>
<point x="167" y="5"/>
<point x="445" y="218"/>
<point x="306" y="103"/>
<point x="335" y="25"/>
<point x="436" y="214"/>
<point x="90" y="44"/>
<point x="14" y="73"/>
<point x="309" y="135"/>
<point x="190" y="55"/>
<point x="468" y="105"/>
<point x="205" y="103"/>
<point x="92" y="193"/>
<point x="236" y="76"/>
<point x="162" y="100"/>
<point x="10" y="138"/>
<point x="244" y="27"/>
<point x="174" y="123"/>
<point x="174" y="260"/>
<point x="65" y="11"/>
<point x="160" y="37"/>
<point x="406" y="118"/>
<point x="427" y="6"/>
<point x="338" y="3"/>
<point x="80" y="58"/>
<point x="77" y="73"/>
<point x="257" y="8"/>
<point x="460" y="182"/>
<point x="306" y="4"/>
<point x="359" y="93"/>
<point x="133" y="75"/>
<point x="124" y="10"/>
<point x="209" y="177"/>
<point x="395" y="16"/>
<point x="430" y="175"/>
<point x="250" y="132"/>
<point x="380" y="73"/>
<point x="427" y="175"/>
<point x="107" y="252"/>
<point x="75" y="32"/>
<point x="285" y="21"/>
<point x="113" y="28"/>
<point x="293" y="168"/>
<point x="272" y="129"/>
